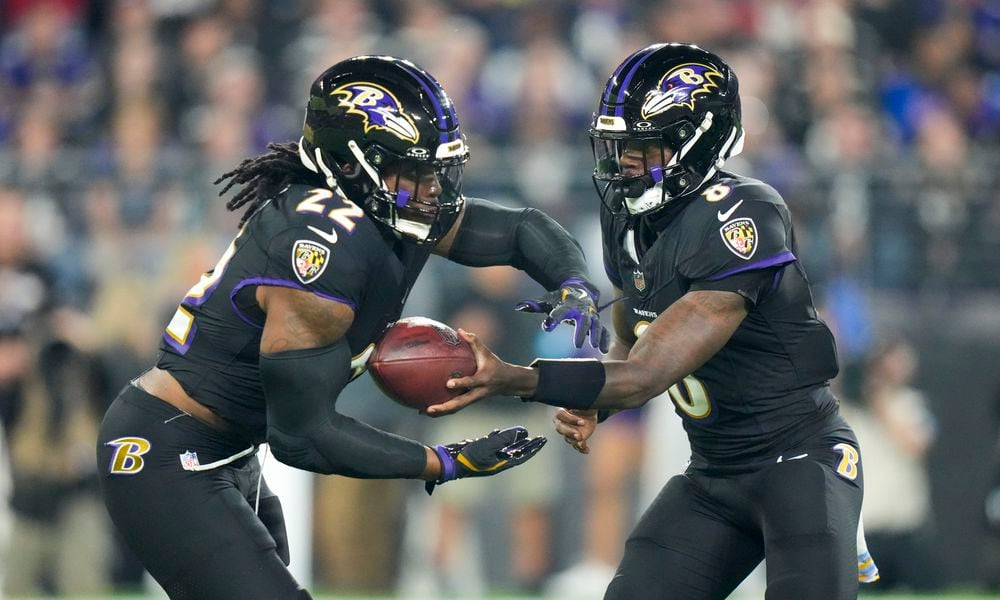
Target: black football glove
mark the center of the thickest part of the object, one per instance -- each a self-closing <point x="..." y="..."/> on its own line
<point x="488" y="455"/>
<point x="574" y="302"/>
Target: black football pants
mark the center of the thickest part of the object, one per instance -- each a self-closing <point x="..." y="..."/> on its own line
<point x="196" y="532"/>
<point x="705" y="533"/>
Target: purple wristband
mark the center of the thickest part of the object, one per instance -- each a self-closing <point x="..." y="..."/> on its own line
<point x="447" y="464"/>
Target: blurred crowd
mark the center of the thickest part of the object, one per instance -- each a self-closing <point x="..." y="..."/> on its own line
<point x="878" y="120"/>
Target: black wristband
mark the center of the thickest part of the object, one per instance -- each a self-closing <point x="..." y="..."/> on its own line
<point x="603" y="415"/>
<point x="569" y="383"/>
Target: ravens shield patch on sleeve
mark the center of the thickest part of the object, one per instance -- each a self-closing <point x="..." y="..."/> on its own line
<point x="740" y="236"/>
<point x="309" y="260"/>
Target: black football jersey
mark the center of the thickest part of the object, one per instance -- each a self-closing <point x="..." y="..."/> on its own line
<point x="306" y="238"/>
<point x="769" y="382"/>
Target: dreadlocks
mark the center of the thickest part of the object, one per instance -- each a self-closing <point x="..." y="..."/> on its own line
<point x="265" y="176"/>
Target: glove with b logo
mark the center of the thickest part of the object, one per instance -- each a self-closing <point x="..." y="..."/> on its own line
<point x="491" y="454"/>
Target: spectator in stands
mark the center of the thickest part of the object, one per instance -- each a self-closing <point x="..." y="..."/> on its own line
<point x="896" y="430"/>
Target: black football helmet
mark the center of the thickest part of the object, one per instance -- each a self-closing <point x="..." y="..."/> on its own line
<point x="676" y="99"/>
<point x="373" y="120"/>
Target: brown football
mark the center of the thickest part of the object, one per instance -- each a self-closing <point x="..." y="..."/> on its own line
<point x="415" y="357"/>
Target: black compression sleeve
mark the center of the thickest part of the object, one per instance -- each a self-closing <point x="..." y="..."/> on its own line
<point x="525" y="238"/>
<point x="304" y="430"/>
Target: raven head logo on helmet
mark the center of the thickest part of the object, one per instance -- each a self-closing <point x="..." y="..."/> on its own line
<point x="680" y="86"/>
<point x="668" y="119"/>
<point x="384" y="132"/>
<point x="378" y="107"/>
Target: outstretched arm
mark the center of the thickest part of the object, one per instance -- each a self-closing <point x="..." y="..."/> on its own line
<point x="305" y="363"/>
<point x="679" y="341"/>
<point x="488" y="234"/>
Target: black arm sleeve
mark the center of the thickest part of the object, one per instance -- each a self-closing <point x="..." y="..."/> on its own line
<point x="305" y="431"/>
<point x="525" y="238"/>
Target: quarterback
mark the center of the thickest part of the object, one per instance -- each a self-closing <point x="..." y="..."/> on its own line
<point x="713" y="308"/>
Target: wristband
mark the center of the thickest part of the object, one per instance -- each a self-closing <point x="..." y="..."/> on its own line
<point x="569" y="383"/>
<point x="604" y="414"/>
<point x="447" y="464"/>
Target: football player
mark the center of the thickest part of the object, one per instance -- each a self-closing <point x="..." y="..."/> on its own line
<point x="335" y="231"/>
<point x="714" y="308"/>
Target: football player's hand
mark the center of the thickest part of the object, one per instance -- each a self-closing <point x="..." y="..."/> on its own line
<point x="575" y="303"/>
<point x="576" y="427"/>
<point x="494" y="453"/>
<point x="493" y="377"/>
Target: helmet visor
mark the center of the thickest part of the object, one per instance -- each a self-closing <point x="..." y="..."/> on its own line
<point x="625" y="160"/>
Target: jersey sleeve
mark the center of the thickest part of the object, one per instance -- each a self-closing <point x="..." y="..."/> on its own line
<point x="304" y="257"/>
<point x="750" y="239"/>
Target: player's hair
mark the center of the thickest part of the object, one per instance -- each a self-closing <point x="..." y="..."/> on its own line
<point x="264" y="176"/>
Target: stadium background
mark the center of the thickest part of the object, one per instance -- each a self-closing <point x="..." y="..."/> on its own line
<point x="876" y="119"/>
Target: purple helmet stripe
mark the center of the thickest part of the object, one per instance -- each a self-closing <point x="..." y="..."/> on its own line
<point x="619" y="109"/>
<point x="640" y="56"/>
<point x="449" y="120"/>
<point x="621" y="67"/>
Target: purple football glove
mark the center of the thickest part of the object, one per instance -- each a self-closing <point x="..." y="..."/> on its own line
<point x="573" y="302"/>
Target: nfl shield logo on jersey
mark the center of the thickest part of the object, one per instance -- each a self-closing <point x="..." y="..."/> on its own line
<point x="740" y="236"/>
<point x="189" y="461"/>
<point x="639" y="280"/>
<point x="309" y="260"/>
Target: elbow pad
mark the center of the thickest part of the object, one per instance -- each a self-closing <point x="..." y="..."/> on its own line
<point x="524" y="238"/>
<point x="304" y="430"/>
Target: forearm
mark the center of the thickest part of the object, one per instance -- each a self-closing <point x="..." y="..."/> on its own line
<point x="306" y="432"/>
<point x="678" y="342"/>
<point x="344" y="446"/>
<point x="526" y="239"/>
<point x="626" y="385"/>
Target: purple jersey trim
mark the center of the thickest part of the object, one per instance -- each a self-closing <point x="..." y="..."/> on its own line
<point x="279" y="283"/>
<point x="781" y="259"/>
<point x="203" y="298"/>
<point x="179" y="347"/>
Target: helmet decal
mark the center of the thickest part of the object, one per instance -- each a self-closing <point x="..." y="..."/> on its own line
<point x="681" y="86"/>
<point x="634" y="62"/>
<point x="446" y="113"/>
<point x="378" y="107"/>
